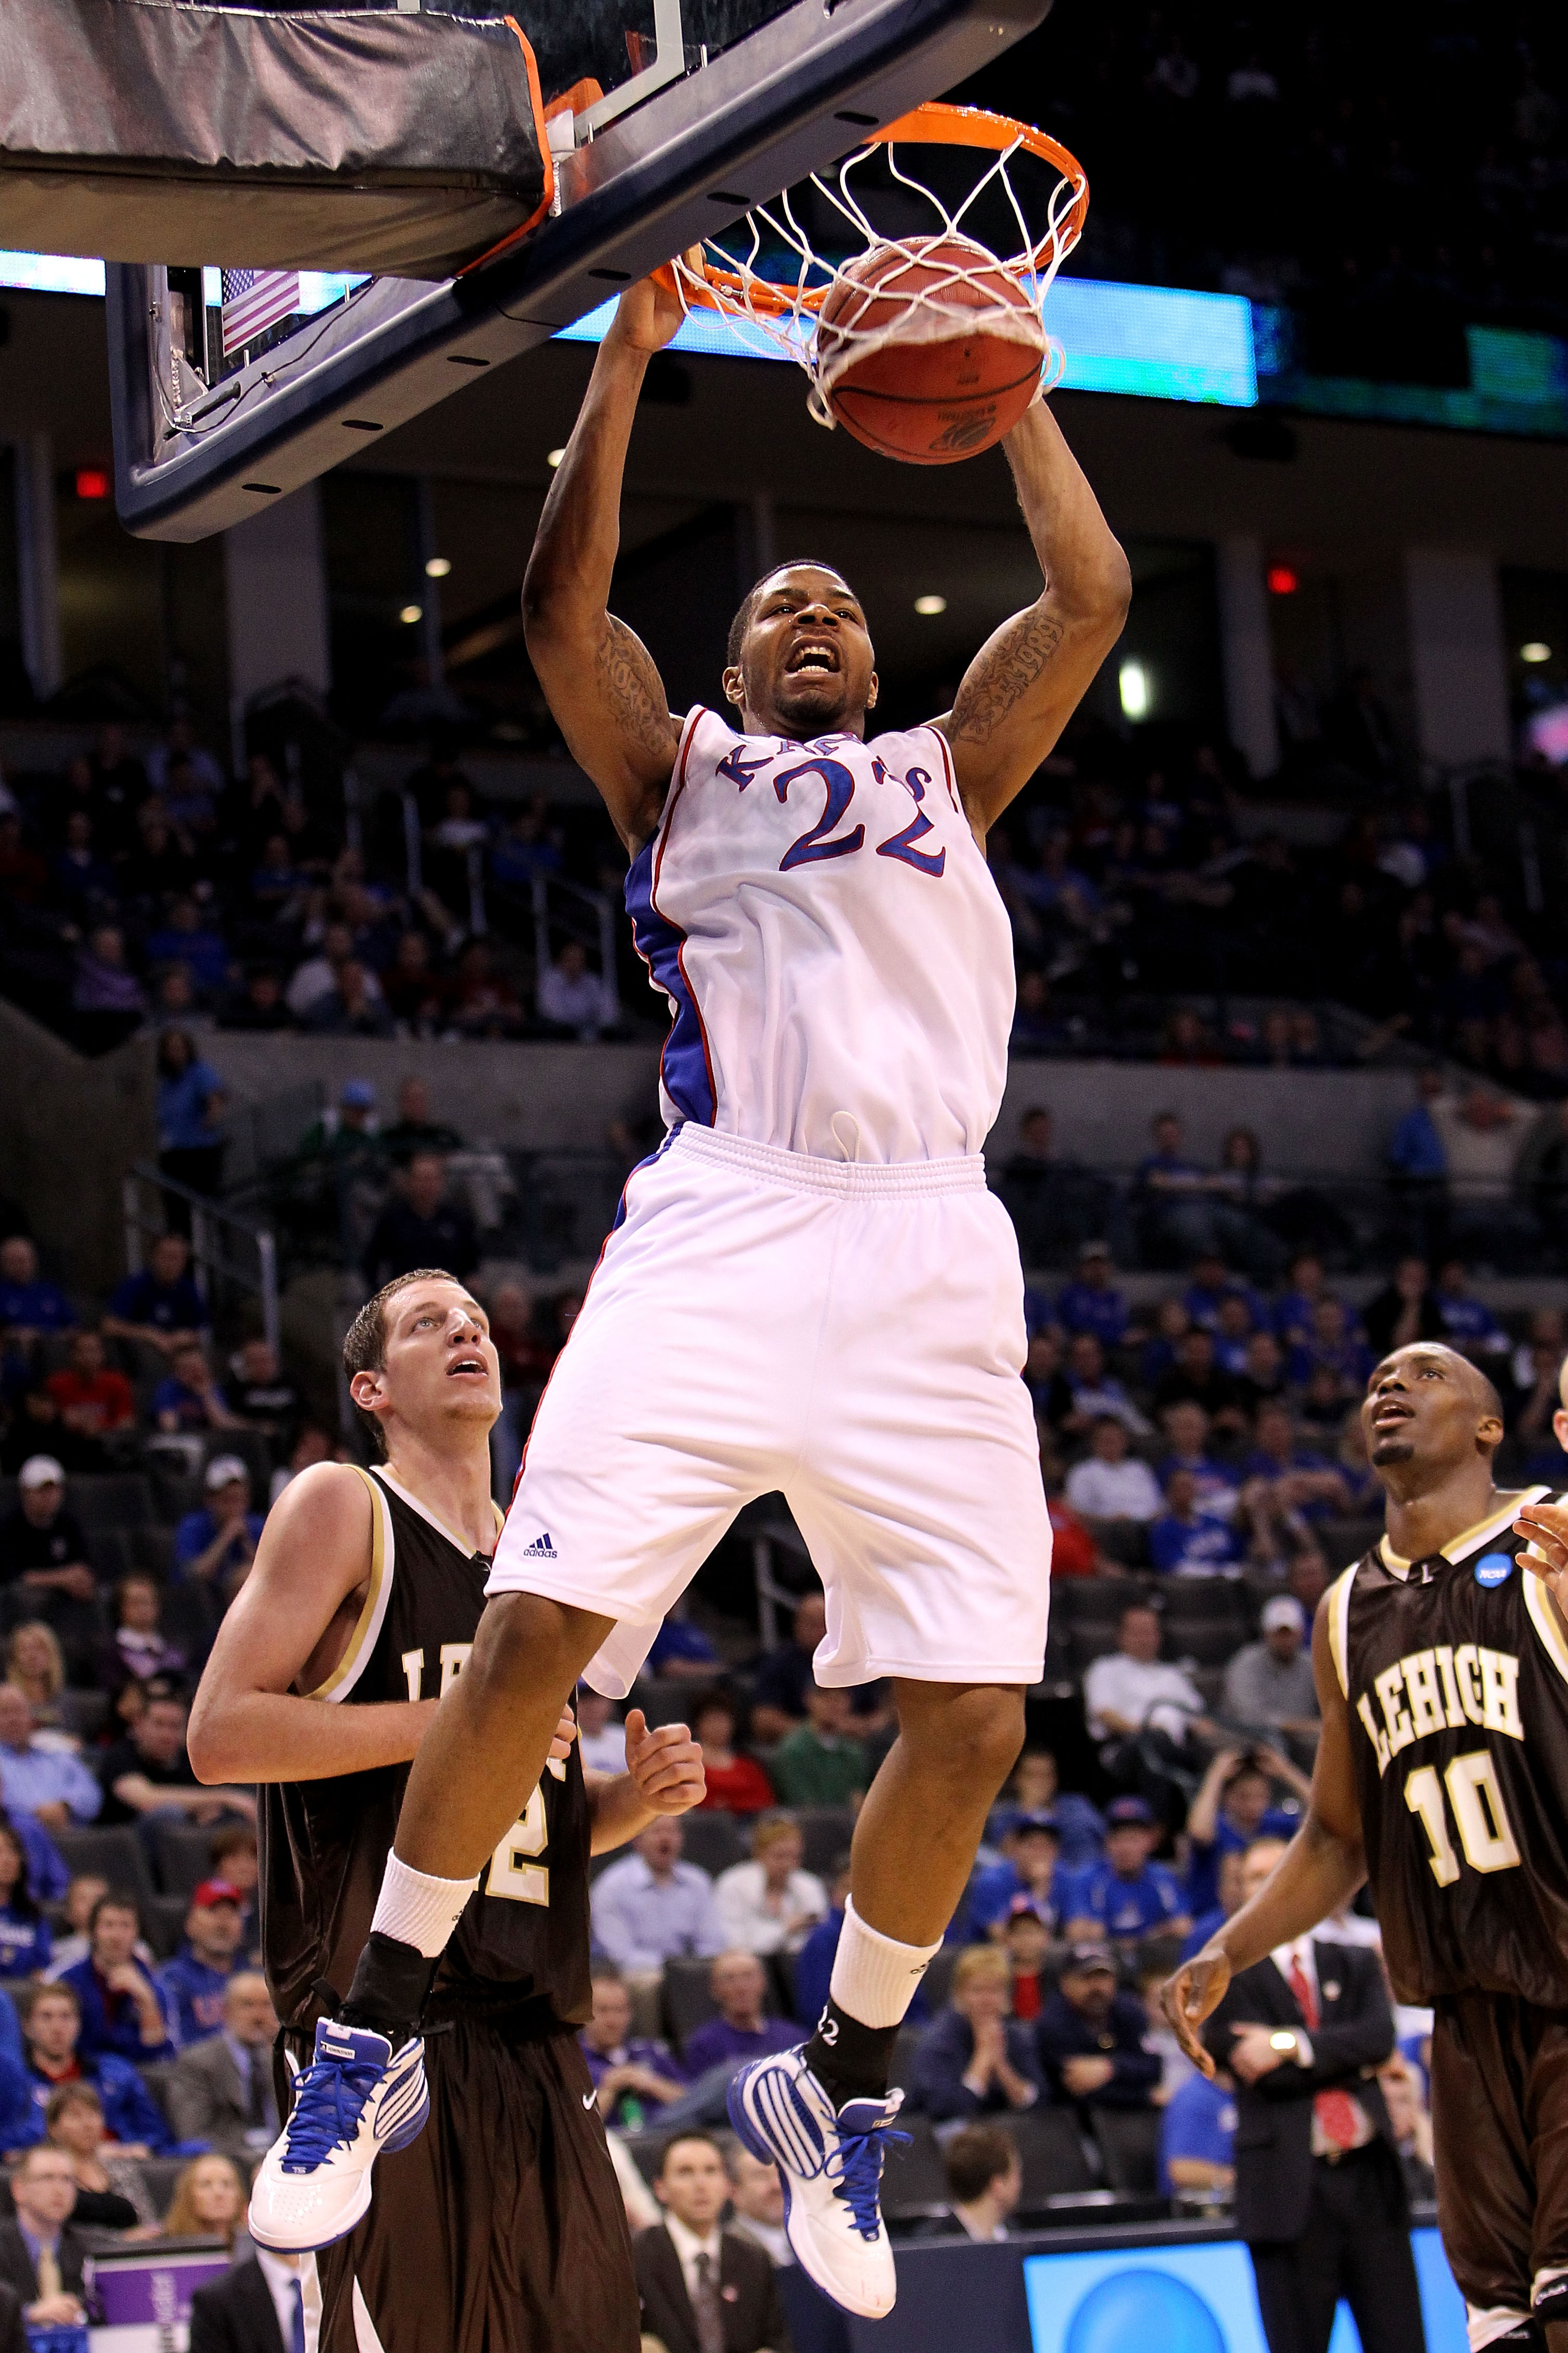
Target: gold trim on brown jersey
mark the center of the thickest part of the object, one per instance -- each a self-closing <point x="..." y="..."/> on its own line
<point x="1547" y="1620"/>
<point x="1467" y="1541"/>
<point x="367" y="1628"/>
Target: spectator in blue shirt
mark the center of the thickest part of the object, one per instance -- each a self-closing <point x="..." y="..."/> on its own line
<point x="1034" y="1788"/>
<point x="160" y="1307"/>
<point x="121" y="2015"/>
<point x="1293" y="1307"/>
<point x="48" y="1783"/>
<point x="635" y="2077"/>
<point x="649" y="1907"/>
<point x="1469" y="1326"/>
<point x="188" y="1398"/>
<point x="1235" y="1807"/>
<point x="1186" y="1425"/>
<point x="219" y="1543"/>
<point x="1095" y="1392"/>
<point x="190" y="1115"/>
<point x="1335" y="1344"/>
<point x="1031" y="1869"/>
<point x="1093" y="1303"/>
<point x="1187" y="1542"/>
<point x="183" y="939"/>
<point x="1298" y="1478"/>
<point x="1092" y="2040"/>
<point x="1231" y="1891"/>
<point x="1210" y="1285"/>
<point x="29" y="1305"/>
<point x="1128" y="1896"/>
<point x="976" y="2059"/>
<point x="1197" y="2138"/>
<point x="52" y="2027"/>
<point x="25" y="1941"/>
<point x="682" y="1650"/>
<point x="1417" y="1153"/>
<point x="814" y="1962"/>
<point x="193" y="1985"/>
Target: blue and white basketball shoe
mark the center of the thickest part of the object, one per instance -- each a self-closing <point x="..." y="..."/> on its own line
<point x="357" y="2097"/>
<point x="830" y="2162"/>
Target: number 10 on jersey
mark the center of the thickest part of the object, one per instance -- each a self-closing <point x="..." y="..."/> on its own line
<point x="1475" y="1794"/>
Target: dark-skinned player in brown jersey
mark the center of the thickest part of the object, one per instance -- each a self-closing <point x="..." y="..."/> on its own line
<point x="500" y="2228"/>
<point x="1441" y="1661"/>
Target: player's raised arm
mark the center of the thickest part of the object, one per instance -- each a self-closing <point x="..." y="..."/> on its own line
<point x="1322" y="1866"/>
<point x="598" y="678"/>
<point x="1029" y="677"/>
<point x="291" y="1622"/>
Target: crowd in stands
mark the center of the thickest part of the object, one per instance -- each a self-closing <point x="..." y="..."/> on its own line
<point x="1412" y="160"/>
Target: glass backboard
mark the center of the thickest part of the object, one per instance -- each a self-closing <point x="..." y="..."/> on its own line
<point x="227" y="394"/>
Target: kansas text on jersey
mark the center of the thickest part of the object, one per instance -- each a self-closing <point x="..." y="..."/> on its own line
<point x="1456" y="1671"/>
<point x="521" y="1953"/>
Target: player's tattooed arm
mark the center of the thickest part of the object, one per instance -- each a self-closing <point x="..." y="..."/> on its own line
<point x="1027" y="679"/>
<point x="633" y="694"/>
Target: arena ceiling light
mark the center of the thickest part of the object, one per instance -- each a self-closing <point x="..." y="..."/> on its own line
<point x="1535" y="651"/>
<point x="1282" y="581"/>
<point x="929" y="606"/>
<point x="554" y="458"/>
<point x="438" y="567"/>
<point x="1136" y="689"/>
<point x="412" y="613"/>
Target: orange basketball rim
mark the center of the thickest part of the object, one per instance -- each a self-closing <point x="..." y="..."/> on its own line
<point x="751" y="290"/>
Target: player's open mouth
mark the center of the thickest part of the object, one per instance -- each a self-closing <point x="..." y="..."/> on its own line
<point x="466" y="1365"/>
<point x="1391" y="1410"/>
<point x="812" y="658"/>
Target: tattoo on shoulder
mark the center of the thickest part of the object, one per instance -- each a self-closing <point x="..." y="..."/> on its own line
<point x="632" y="689"/>
<point x="1004" y="672"/>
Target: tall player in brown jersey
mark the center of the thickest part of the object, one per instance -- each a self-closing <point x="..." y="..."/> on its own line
<point x="1441" y="1660"/>
<point x="500" y="2228"/>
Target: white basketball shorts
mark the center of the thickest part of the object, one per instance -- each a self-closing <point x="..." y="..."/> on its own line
<point x="849" y="1335"/>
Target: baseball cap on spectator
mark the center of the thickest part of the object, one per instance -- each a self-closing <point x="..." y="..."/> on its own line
<point x="1128" y="1809"/>
<point x="1284" y="1611"/>
<point x="41" y="1470"/>
<point x="1047" y="1822"/>
<point x="1084" y="1961"/>
<point x="225" y="1469"/>
<point x="213" y="1892"/>
<point x="358" y="1093"/>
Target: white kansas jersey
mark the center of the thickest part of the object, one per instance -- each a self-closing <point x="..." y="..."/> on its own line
<point x="837" y="956"/>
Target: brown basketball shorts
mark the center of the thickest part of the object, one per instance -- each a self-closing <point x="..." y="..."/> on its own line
<point x="500" y="2229"/>
<point x="1499" y="2129"/>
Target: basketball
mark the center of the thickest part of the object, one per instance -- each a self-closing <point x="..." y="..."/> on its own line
<point x="903" y="370"/>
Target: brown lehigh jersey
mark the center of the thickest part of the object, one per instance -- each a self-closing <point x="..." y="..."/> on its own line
<point x="519" y="1956"/>
<point x="1456" y="1671"/>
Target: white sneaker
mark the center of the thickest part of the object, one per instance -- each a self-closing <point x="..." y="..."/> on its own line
<point x="830" y="2162"/>
<point x="357" y="2097"/>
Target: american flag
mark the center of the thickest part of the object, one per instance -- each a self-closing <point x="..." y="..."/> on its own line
<point x="253" y="300"/>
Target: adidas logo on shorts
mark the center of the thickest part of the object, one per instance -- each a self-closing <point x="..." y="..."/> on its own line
<point x="540" y="1548"/>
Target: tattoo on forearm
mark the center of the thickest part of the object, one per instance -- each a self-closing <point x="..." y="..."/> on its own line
<point x="632" y="689"/>
<point x="1003" y="673"/>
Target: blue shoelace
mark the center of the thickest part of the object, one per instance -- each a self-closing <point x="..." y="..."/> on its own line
<point x="855" y="2169"/>
<point x="329" y="2101"/>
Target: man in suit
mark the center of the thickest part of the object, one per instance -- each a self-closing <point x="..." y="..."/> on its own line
<point x="704" y="2289"/>
<point x="13" y="2327"/>
<point x="257" y="2307"/>
<point x="221" y="2090"/>
<point x="41" y="2256"/>
<point x="1319" y="2194"/>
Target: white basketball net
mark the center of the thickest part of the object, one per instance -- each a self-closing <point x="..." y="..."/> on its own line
<point x="962" y="297"/>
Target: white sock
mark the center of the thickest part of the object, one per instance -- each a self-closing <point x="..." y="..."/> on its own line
<point x="874" y="1976"/>
<point x="420" y="1910"/>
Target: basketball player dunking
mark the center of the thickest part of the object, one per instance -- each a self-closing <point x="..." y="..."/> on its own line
<point x="1441" y="1660"/>
<point x="500" y="2229"/>
<point x="809" y="1287"/>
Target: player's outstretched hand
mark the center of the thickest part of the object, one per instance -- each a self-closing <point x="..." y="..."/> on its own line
<point x="666" y="1766"/>
<point x="1188" y="1999"/>
<point x="565" y="1734"/>
<point x="647" y="314"/>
